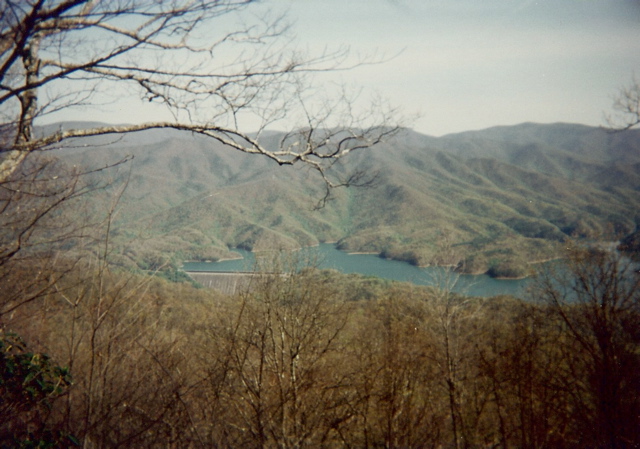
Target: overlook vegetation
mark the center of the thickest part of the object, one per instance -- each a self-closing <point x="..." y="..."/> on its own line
<point x="319" y="359"/>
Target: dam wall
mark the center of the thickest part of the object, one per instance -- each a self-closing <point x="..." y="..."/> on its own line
<point x="226" y="282"/>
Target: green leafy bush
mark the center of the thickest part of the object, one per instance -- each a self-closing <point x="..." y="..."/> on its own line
<point x="29" y="383"/>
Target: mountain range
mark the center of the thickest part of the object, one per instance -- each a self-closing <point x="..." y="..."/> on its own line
<point x="494" y="200"/>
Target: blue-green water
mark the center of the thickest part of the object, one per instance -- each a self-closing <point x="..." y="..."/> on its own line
<point x="327" y="256"/>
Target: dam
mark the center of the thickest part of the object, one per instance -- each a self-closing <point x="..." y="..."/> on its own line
<point x="226" y="282"/>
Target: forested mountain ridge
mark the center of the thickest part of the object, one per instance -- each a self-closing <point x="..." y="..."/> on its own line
<point x="503" y="197"/>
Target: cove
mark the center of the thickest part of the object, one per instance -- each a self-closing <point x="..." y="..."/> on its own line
<point x="326" y="256"/>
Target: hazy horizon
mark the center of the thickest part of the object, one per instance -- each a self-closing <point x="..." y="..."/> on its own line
<point x="461" y="64"/>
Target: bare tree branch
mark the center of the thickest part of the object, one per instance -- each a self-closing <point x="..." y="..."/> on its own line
<point x="627" y="106"/>
<point x="64" y="55"/>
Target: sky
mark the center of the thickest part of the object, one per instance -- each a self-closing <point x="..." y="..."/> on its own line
<point x="460" y="65"/>
<point x="472" y="64"/>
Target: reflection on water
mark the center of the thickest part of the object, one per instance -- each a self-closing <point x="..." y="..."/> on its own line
<point x="327" y="256"/>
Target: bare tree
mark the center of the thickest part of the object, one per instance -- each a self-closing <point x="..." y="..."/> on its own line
<point x="596" y="297"/>
<point x="627" y="107"/>
<point x="66" y="54"/>
<point x="451" y="324"/>
<point x="277" y="372"/>
<point x="47" y="225"/>
<point x="397" y="400"/>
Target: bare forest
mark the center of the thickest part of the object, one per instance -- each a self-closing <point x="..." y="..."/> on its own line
<point x="315" y="359"/>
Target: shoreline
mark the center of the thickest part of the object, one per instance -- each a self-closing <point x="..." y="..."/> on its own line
<point x="378" y="254"/>
<point x="369" y="253"/>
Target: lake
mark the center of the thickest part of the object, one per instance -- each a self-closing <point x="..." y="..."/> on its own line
<point x="327" y="256"/>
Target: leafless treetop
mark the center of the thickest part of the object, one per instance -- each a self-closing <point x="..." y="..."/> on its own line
<point x="627" y="107"/>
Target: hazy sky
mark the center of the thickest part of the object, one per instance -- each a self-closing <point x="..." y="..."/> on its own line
<point x="465" y="64"/>
<point x="472" y="64"/>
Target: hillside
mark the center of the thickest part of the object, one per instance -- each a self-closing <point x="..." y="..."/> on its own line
<point x="497" y="199"/>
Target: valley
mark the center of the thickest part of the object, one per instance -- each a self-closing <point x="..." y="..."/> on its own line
<point x="327" y="257"/>
<point x="493" y="201"/>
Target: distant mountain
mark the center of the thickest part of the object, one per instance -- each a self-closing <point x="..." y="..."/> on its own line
<point x="498" y="199"/>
